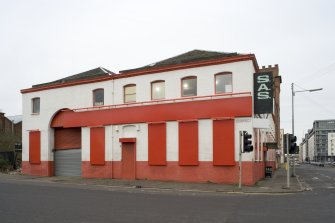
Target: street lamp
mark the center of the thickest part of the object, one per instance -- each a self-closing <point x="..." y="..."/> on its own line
<point x="293" y="94"/>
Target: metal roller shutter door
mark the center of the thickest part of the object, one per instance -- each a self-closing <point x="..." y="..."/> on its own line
<point x="68" y="162"/>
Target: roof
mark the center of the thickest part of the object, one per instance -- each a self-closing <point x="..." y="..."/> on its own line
<point x="90" y="74"/>
<point x="15" y="118"/>
<point x="188" y="57"/>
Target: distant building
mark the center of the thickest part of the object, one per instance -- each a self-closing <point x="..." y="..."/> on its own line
<point x="319" y="143"/>
<point x="10" y="131"/>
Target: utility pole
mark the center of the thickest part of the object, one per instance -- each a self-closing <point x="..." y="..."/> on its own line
<point x="293" y="94"/>
<point x="240" y="162"/>
<point x="292" y="87"/>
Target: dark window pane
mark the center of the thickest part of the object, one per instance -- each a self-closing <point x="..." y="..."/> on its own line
<point x="36" y="105"/>
<point x="98" y="97"/>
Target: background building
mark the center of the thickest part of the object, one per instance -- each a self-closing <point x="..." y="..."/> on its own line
<point x="178" y="119"/>
<point x="10" y="131"/>
<point x="318" y="142"/>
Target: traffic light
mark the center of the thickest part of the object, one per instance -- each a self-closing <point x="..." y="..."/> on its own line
<point x="292" y="143"/>
<point x="247" y="143"/>
<point x="285" y="142"/>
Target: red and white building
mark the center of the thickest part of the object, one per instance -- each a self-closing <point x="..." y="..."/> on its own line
<point x="178" y="119"/>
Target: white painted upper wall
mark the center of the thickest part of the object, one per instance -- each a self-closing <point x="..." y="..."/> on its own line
<point x="80" y="96"/>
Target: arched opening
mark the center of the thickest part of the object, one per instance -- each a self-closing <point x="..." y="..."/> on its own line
<point x="66" y="147"/>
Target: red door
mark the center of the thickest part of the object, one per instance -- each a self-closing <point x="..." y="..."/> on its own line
<point x="128" y="160"/>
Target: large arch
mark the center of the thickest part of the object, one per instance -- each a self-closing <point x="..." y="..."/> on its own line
<point x="66" y="146"/>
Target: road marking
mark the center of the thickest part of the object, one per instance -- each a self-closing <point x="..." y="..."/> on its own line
<point x="315" y="178"/>
<point x="330" y="187"/>
<point x="328" y="177"/>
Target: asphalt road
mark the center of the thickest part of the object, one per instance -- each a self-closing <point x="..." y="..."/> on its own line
<point x="31" y="201"/>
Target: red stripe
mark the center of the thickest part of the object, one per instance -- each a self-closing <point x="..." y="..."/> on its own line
<point x="229" y="107"/>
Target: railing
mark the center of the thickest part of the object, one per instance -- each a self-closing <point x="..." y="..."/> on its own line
<point x="183" y="99"/>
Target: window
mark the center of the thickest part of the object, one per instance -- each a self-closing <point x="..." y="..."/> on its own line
<point x="189" y="86"/>
<point x="157" y="143"/>
<point x="157" y="90"/>
<point x="188" y="143"/>
<point x="223" y="83"/>
<point x="98" y="97"/>
<point x="34" y="147"/>
<point x="130" y="93"/>
<point x="36" y="105"/>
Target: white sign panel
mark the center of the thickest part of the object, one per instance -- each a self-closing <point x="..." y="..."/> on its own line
<point x="331" y="144"/>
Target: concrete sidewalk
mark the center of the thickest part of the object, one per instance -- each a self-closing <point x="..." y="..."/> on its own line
<point x="273" y="185"/>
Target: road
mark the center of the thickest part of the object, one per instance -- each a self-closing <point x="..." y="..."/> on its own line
<point x="31" y="201"/>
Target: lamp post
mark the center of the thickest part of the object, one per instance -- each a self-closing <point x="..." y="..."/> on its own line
<point x="293" y="94"/>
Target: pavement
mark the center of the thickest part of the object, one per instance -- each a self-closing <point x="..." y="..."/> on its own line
<point x="274" y="185"/>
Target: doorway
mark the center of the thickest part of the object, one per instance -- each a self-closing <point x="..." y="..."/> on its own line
<point x="128" y="161"/>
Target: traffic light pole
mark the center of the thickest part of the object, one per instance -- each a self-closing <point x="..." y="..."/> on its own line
<point x="240" y="162"/>
<point x="288" y="161"/>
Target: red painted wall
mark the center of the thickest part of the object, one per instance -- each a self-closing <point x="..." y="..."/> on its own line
<point x="157" y="143"/>
<point x="97" y="145"/>
<point x="198" y="109"/>
<point x="223" y="142"/>
<point x="188" y="143"/>
<point x="97" y="171"/>
<point x="35" y="147"/>
<point x="204" y="172"/>
<point x="45" y="168"/>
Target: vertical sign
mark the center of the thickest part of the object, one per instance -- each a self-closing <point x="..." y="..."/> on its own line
<point x="331" y="143"/>
<point x="263" y="93"/>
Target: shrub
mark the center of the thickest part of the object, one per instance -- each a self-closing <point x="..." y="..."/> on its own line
<point x="4" y="165"/>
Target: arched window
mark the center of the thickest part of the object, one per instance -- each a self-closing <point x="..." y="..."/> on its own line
<point x="157" y="90"/>
<point x="129" y="93"/>
<point x="189" y="86"/>
<point x="223" y="82"/>
<point x="98" y="97"/>
<point x="35" y="105"/>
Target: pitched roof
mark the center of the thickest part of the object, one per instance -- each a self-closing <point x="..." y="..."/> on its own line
<point x="90" y="74"/>
<point x="188" y="57"/>
<point x="15" y="118"/>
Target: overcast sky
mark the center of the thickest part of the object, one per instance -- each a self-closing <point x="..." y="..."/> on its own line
<point x="41" y="41"/>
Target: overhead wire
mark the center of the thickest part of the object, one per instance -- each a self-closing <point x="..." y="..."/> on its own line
<point x="319" y="73"/>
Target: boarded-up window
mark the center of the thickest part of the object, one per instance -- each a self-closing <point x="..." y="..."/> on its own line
<point x="223" y="143"/>
<point x="157" y="143"/>
<point x="188" y="143"/>
<point x="97" y="146"/>
<point x="35" y="147"/>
